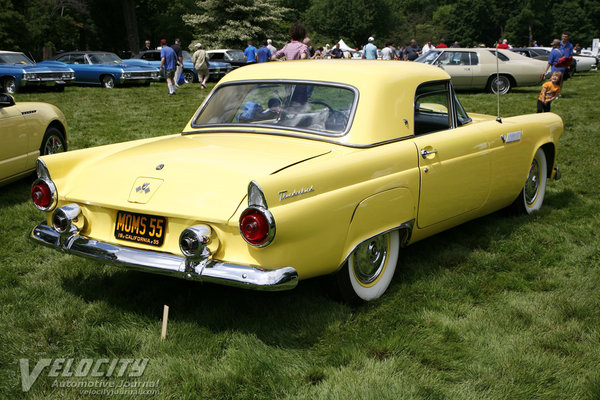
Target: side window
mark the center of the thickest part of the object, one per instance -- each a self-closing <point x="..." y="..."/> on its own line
<point x="65" y="59"/>
<point x="432" y="107"/>
<point x="501" y="56"/>
<point x="77" y="59"/>
<point x="474" y="58"/>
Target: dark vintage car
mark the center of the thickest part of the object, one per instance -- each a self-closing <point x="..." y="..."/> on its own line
<point x="233" y="57"/>
<point x="216" y="69"/>
<point x="18" y="71"/>
<point x="106" y="69"/>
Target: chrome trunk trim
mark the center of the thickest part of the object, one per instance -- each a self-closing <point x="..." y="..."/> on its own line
<point x="213" y="271"/>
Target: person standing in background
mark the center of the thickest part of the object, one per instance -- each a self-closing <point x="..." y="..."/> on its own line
<point x="272" y="48"/>
<point x="295" y="49"/>
<point x="370" y="50"/>
<point x="201" y="65"/>
<point x="250" y="53"/>
<point x="168" y="60"/>
<point x="264" y="54"/>
<point x="179" y="52"/>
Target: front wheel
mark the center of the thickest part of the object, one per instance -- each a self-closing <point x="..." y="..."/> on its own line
<point x="532" y="195"/>
<point x="53" y="142"/>
<point x="9" y="85"/>
<point x="499" y="84"/>
<point x="369" y="269"/>
<point x="108" y="82"/>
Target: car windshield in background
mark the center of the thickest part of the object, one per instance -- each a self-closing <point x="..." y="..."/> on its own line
<point x="186" y="55"/>
<point x="322" y="109"/>
<point x="14" y="58"/>
<point x="236" y="55"/>
<point x="104" y="58"/>
<point x="429" y="57"/>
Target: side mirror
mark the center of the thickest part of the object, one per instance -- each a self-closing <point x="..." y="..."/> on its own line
<point x="6" y="100"/>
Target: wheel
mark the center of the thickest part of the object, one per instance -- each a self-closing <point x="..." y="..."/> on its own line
<point x="532" y="195"/>
<point x="500" y="84"/>
<point x="108" y="82"/>
<point x="53" y="142"/>
<point x="9" y="85"/>
<point x="189" y="76"/>
<point x="369" y="269"/>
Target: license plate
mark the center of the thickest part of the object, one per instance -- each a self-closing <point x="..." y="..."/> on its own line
<point x="140" y="228"/>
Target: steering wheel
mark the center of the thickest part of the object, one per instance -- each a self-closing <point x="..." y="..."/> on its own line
<point x="336" y="120"/>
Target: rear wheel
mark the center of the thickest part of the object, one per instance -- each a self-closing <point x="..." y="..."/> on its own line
<point x="189" y="76"/>
<point x="532" y="195"/>
<point x="370" y="268"/>
<point x="53" y="142"/>
<point x="499" y="84"/>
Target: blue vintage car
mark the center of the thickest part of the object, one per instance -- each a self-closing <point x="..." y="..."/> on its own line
<point x="17" y="71"/>
<point x="106" y="69"/>
<point x="216" y="69"/>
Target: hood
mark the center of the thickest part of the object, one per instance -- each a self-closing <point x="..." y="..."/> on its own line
<point x="44" y="66"/>
<point x="203" y="176"/>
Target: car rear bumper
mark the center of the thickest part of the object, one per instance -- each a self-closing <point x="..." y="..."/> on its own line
<point x="213" y="271"/>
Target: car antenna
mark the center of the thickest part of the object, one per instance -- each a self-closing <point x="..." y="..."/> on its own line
<point x="498" y="85"/>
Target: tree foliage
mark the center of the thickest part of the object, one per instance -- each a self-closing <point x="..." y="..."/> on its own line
<point x="42" y="27"/>
<point x="231" y="23"/>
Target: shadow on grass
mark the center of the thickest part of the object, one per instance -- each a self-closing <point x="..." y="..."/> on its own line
<point x="292" y="319"/>
<point x="16" y="192"/>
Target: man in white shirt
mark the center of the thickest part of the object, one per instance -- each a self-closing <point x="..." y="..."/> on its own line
<point x="387" y="53"/>
<point x="428" y="47"/>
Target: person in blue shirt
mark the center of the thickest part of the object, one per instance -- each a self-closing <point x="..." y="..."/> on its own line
<point x="264" y="54"/>
<point x="250" y="54"/>
<point x="565" y="46"/>
<point x="168" y="60"/>
<point x="370" y="50"/>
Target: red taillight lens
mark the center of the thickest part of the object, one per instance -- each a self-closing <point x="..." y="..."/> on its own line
<point x="41" y="194"/>
<point x="254" y="226"/>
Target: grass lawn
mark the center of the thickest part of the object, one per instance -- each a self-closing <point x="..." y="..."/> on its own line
<point x="503" y="307"/>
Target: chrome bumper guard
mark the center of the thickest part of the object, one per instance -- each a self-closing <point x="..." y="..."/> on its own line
<point x="213" y="271"/>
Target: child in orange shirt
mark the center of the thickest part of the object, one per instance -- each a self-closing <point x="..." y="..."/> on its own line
<point x="550" y="91"/>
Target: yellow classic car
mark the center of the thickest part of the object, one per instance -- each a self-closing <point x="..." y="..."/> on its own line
<point x="479" y="69"/>
<point x="28" y="130"/>
<point x="292" y="170"/>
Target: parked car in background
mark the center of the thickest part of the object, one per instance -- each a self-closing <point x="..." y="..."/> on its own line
<point x="231" y="56"/>
<point x="476" y="68"/>
<point x="106" y="69"/>
<point x="583" y="63"/>
<point x="216" y="69"/>
<point x="18" y="71"/>
<point x="331" y="167"/>
<point x="28" y="130"/>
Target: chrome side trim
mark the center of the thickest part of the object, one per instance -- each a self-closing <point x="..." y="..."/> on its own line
<point x="213" y="271"/>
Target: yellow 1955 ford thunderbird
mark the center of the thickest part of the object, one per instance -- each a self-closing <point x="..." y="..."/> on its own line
<point x="291" y="170"/>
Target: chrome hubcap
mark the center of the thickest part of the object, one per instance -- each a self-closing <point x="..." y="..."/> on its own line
<point x="53" y="145"/>
<point x="500" y="85"/>
<point x="532" y="185"/>
<point x="370" y="257"/>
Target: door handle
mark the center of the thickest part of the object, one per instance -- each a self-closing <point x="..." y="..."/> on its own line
<point x="425" y="153"/>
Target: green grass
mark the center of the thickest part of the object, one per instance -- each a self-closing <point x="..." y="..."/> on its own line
<point x="499" y="308"/>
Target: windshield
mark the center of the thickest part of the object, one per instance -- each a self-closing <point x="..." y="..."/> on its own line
<point x="317" y="108"/>
<point x="429" y="57"/>
<point x="14" y="58"/>
<point x="186" y="55"/>
<point x="104" y="58"/>
<point x="236" y="55"/>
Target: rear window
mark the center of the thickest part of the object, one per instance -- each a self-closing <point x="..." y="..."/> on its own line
<point x="313" y="107"/>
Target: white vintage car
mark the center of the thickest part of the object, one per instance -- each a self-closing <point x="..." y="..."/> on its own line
<point x="477" y="68"/>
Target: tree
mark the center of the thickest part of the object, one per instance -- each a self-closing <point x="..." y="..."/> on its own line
<point x="231" y="23"/>
<point x="352" y="20"/>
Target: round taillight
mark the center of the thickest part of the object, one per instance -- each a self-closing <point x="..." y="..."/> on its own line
<point x="256" y="226"/>
<point x="41" y="194"/>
